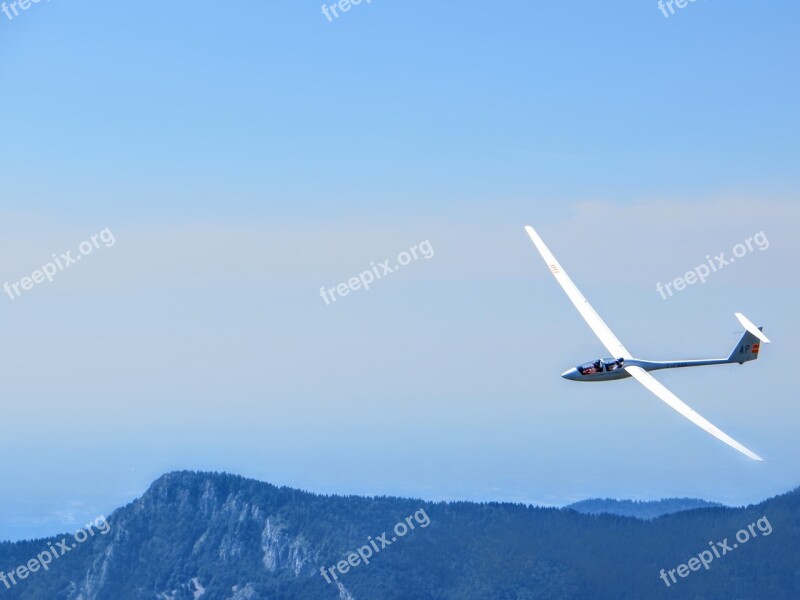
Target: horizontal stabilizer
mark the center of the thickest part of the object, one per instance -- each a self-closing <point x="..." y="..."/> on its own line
<point x="749" y="326"/>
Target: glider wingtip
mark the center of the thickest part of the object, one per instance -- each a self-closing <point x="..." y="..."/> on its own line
<point x="753" y="455"/>
<point x="533" y="235"/>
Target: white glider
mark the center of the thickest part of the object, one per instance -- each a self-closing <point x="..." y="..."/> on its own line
<point x="623" y="364"/>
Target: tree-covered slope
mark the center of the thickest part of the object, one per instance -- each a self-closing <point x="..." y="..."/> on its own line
<point x="638" y="508"/>
<point x="216" y="536"/>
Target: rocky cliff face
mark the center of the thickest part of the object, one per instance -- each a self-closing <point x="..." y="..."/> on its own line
<point x="164" y="543"/>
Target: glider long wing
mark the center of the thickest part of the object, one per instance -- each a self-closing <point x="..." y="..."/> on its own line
<point x="594" y="321"/>
<point x="655" y="386"/>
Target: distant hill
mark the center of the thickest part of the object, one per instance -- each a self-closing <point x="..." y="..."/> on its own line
<point x="639" y="509"/>
<point x="201" y="536"/>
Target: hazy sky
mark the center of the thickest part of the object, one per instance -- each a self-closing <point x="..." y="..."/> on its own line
<point x="244" y="155"/>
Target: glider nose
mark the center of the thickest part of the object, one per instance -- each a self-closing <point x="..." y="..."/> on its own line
<point x="571" y="374"/>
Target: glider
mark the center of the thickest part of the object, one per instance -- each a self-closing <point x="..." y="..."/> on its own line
<point x="625" y="365"/>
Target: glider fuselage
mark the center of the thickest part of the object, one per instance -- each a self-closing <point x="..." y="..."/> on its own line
<point x="609" y="369"/>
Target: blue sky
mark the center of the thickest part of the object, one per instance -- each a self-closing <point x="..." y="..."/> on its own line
<point x="246" y="154"/>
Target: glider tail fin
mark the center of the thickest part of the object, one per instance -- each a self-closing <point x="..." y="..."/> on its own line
<point x="748" y="347"/>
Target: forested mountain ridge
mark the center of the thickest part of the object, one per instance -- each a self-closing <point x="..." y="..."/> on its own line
<point x="641" y="509"/>
<point x="221" y="537"/>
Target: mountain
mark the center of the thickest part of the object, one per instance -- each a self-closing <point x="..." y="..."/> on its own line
<point x="195" y="536"/>
<point x="639" y="509"/>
